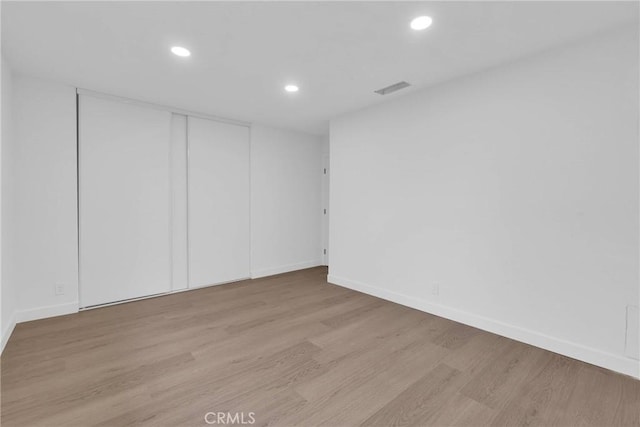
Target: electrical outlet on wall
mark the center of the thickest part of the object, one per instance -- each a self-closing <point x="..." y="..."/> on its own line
<point x="435" y="288"/>
<point x="59" y="288"/>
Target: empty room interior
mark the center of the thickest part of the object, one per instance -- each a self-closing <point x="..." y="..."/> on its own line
<point x="336" y="213"/>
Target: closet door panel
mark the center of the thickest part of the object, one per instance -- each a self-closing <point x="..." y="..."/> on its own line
<point x="179" y="201"/>
<point x="219" y="202"/>
<point x="124" y="186"/>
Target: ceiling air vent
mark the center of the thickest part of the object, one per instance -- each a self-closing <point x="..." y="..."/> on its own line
<point x="390" y="89"/>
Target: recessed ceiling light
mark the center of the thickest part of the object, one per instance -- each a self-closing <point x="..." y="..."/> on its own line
<point x="291" y="88"/>
<point x="421" y="22"/>
<point x="180" y="51"/>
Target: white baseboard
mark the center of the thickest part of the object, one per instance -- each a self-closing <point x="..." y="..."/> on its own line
<point x="46" y="311"/>
<point x="7" y="331"/>
<point x="285" y="268"/>
<point x="574" y="350"/>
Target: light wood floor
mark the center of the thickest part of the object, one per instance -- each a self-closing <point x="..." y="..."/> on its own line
<point x="296" y="352"/>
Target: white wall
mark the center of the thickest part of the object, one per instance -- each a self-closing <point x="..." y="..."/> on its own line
<point x="8" y="295"/>
<point x="44" y="194"/>
<point x="514" y="190"/>
<point x="285" y="201"/>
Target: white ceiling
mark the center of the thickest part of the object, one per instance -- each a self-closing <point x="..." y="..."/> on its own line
<point x="243" y="53"/>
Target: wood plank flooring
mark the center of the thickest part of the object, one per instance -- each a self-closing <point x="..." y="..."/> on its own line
<point x="295" y="351"/>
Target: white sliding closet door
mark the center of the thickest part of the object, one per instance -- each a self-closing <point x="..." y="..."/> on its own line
<point x="179" y="239"/>
<point x="124" y="194"/>
<point x="219" y="202"/>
